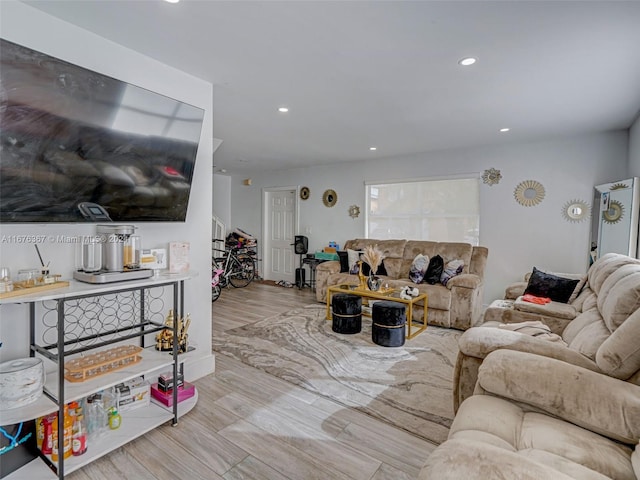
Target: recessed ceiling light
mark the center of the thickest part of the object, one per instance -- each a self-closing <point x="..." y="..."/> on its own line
<point x="505" y="129"/>
<point x="373" y="149"/>
<point x="467" y="61"/>
<point x="172" y="1"/>
<point x="283" y="109"/>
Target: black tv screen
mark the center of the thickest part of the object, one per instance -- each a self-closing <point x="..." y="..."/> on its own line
<point x="69" y="135"/>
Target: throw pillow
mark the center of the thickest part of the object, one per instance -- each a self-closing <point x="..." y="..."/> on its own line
<point x="344" y="261"/>
<point x="556" y="288"/>
<point x="434" y="270"/>
<point x="382" y="270"/>
<point x="451" y="269"/>
<point x="353" y="257"/>
<point x="418" y="268"/>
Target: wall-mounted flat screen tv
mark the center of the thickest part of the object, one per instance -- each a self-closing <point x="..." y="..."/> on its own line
<point x="69" y="136"/>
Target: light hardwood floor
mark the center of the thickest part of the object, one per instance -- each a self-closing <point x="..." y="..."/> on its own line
<point x="250" y="425"/>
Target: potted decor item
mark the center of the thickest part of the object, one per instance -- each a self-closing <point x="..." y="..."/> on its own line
<point x="372" y="256"/>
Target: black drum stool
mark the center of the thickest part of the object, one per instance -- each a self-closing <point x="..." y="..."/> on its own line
<point x="389" y="321"/>
<point x="347" y="313"/>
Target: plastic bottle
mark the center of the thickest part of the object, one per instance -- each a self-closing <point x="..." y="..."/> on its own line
<point x="47" y="439"/>
<point x="68" y="433"/>
<point x="40" y="423"/>
<point x="79" y="442"/>
<point x="114" y="419"/>
<point x="54" y="438"/>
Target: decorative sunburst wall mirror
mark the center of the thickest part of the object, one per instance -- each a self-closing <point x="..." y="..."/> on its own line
<point x="529" y="193"/>
<point x="329" y="198"/>
<point x="575" y="211"/>
<point x="354" y="211"/>
<point x="491" y="176"/>
<point x="615" y="212"/>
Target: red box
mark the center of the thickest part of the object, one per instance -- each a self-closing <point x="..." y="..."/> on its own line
<point x="188" y="390"/>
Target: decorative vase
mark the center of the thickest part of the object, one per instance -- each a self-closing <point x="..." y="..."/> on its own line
<point x="362" y="278"/>
<point x="374" y="283"/>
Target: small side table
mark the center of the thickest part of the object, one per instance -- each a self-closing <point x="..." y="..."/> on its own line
<point x="313" y="263"/>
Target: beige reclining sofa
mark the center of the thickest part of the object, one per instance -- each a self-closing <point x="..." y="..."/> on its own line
<point x="603" y="337"/>
<point x="537" y="418"/>
<point x="456" y="305"/>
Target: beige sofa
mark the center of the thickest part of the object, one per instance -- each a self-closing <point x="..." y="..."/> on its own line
<point x="538" y="418"/>
<point x="604" y="337"/>
<point x="456" y="305"/>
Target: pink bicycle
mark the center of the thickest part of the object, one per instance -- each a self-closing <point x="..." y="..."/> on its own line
<point x="215" y="283"/>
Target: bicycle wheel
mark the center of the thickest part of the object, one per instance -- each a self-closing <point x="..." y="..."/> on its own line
<point x="215" y="293"/>
<point x="243" y="270"/>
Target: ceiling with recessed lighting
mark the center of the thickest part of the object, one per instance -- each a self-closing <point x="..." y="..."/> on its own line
<point x="362" y="73"/>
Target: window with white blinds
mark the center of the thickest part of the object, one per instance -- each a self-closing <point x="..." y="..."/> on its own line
<point x="442" y="210"/>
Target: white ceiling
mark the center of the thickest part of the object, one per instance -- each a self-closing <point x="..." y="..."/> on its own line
<point x="361" y="73"/>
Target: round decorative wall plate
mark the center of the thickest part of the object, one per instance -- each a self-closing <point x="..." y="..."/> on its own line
<point x="329" y="198"/>
<point x="305" y="193"/>
<point x="354" y="211"/>
<point x="529" y="193"/>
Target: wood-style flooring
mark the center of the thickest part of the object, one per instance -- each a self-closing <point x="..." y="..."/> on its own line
<point x="250" y="425"/>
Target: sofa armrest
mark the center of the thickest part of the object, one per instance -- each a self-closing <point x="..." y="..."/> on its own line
<point x="594" y="401"/>
<point x="466" y="301"/>
<point x="476" y="343"/>
<point x="469" y="459"/>
<point x="515" y="290"/>
<point x="479" y="342"/>
<point x="323" y="270"/>
<point x="465" y="280"/>
<point x="331" y="266"/>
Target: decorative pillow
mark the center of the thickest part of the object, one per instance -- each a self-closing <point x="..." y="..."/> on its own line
<point x="344" y="261"/>
<point x="434" y="270"/>
<point x="556" y="288"/>
<point x="353" y="256"/>
<point x="418" y="268"/>
<point x="366" y="269"/>
<point x="451" y="269"/>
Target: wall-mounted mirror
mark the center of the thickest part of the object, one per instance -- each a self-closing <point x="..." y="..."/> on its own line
<point x="614" y="227"/>
<point x="575" y="211"/>
<point x="529" y="193"/>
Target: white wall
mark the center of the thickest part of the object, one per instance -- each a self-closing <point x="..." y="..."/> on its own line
<point x="518" y="237"/>
<point x="634" y="149"/>
<point x="221" y="196"/>
<point x="30" y="27"/>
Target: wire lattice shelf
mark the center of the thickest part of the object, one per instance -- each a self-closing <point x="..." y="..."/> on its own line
<point x="92" y="322"/>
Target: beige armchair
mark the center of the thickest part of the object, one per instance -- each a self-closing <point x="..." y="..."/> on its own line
<point x="556" y="315"/>
<point x="538" y="418"/>
<point x="604" y="337"/>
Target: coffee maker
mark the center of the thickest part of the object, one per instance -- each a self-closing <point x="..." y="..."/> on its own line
<point x="113" y="255"/>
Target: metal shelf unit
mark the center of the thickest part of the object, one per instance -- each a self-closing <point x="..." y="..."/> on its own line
<point x="85" y="317"/>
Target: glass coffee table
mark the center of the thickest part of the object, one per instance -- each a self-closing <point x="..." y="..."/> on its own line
<point x="391" y="295"/>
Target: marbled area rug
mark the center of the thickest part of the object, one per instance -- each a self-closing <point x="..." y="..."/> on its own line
<point x="409" y="387"/>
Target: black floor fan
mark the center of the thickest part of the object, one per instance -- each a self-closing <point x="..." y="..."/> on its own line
<point x="300" y="247"/>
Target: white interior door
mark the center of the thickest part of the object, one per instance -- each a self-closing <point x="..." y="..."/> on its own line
<point x="280" y="223"/>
